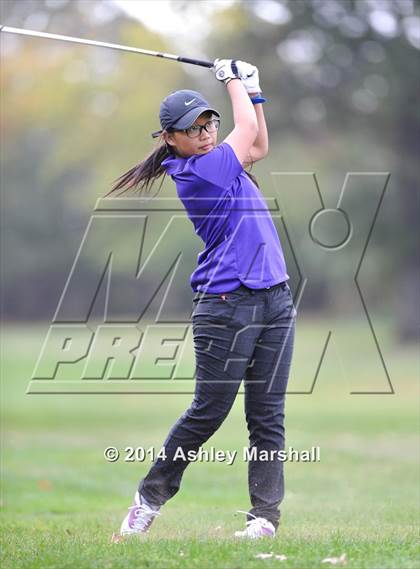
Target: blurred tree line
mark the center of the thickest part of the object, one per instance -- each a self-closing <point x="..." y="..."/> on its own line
<point x="345" y="75"/>
<point x="342" y="80"/>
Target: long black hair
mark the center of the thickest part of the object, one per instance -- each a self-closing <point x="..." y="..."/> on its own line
<point x="143" y="175"/>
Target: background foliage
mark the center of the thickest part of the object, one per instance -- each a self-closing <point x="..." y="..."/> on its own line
<point x="342" y="78"/>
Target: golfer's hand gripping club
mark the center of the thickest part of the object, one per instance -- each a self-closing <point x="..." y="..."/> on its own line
<point x="225" y="70"/>
<point x="249" y="76"/>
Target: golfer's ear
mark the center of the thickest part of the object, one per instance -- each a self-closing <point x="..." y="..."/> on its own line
<point x="168" y="137"/>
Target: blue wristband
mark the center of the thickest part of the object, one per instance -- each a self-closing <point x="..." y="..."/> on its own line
<point x="258" y="99"/>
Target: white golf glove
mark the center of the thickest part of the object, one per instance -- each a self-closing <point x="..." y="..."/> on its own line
<point x="225" y="70"/>
<point x="249" y="76"/>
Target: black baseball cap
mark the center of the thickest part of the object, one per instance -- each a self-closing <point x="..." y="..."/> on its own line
<point x="180" y="109"/>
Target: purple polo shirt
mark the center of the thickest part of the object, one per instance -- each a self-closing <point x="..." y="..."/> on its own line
<point x="231" y="216"/>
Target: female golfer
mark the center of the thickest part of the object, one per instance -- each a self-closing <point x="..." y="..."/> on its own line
<point x="244" y="316"/>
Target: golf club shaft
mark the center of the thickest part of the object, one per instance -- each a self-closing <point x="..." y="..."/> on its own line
<point x="119" y="47"/>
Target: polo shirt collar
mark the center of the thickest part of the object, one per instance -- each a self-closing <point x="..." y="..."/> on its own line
<point x="173" y="164"/>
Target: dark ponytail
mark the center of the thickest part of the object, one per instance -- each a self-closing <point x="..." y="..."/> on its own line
<point x="148" y="171"/>
<point x="145" y="173"/>
<point x="251" y="176"/>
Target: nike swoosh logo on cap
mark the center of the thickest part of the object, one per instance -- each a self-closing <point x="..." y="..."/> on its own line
<point x="189" y="102"/>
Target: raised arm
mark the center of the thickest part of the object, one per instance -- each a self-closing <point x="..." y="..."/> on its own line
<point x="249" y="146"/>
<point x="259" y="149"/>
<point x="249" y="75"/>
<point x="243" y="136"/>
<point x="245" y="131"/>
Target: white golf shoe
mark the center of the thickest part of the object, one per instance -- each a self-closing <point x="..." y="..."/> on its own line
<point x="256" y="528"/>
<point x="139" y="518"/>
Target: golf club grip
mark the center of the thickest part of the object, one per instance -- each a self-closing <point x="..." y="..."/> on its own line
<point x="195" y="61"/>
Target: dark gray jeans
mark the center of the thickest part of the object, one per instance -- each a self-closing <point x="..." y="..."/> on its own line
<point x="244" y="334"/>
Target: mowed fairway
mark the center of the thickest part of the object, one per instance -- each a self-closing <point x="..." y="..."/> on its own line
<point x="61" y="500"/>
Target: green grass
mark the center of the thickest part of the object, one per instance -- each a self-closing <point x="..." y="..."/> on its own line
<point x="61" y="500"/>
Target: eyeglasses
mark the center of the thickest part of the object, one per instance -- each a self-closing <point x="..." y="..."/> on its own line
<point x="196" y="129"/>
